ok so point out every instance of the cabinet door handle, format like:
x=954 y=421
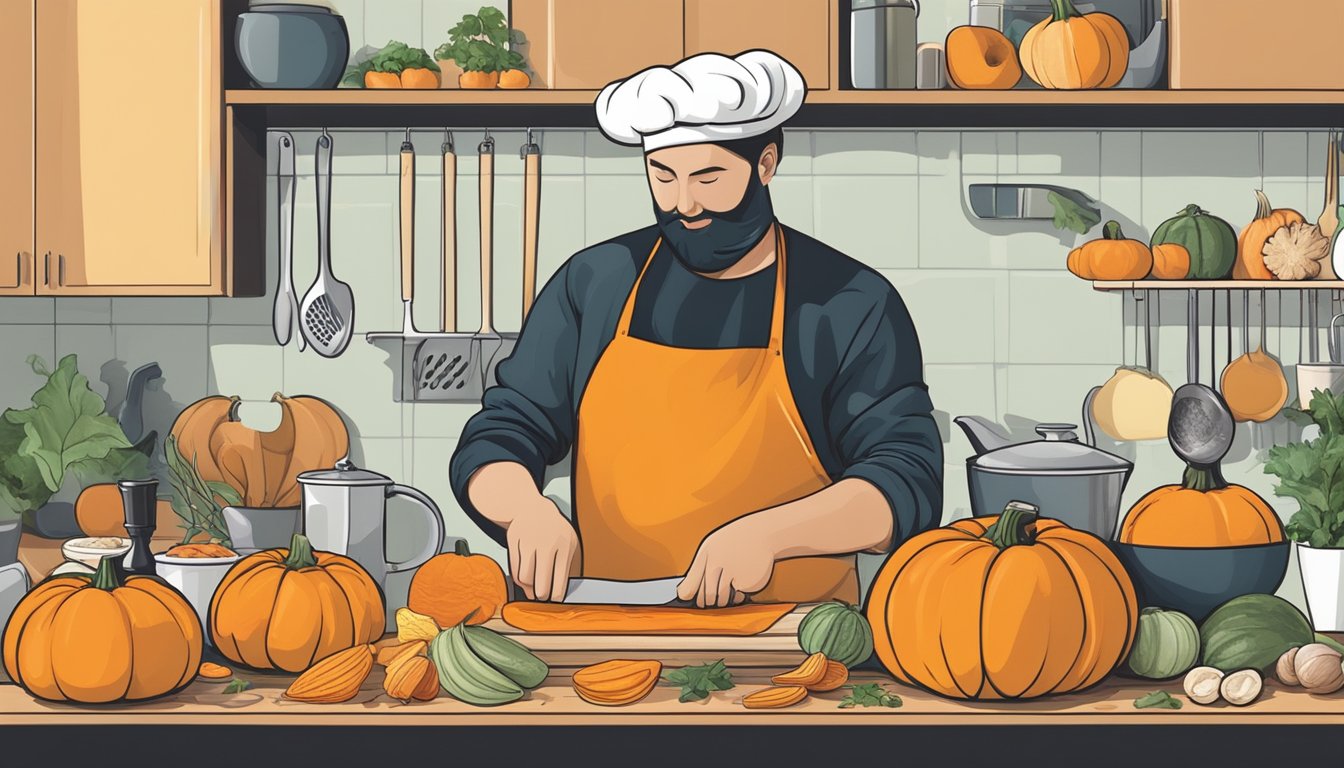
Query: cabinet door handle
x=60 y=270
x=18 y=269
x=46 y=269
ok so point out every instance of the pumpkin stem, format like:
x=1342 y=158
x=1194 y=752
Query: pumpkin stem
x=108 y=576
x=1262 y=207
x=1063 y=9
x=1204 y=478
x=1193 y=210
x=1112 y=231
x=461 y=548
x=1015 y=526
x=300 y=553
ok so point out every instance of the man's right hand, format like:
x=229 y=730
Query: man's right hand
x=542 y=547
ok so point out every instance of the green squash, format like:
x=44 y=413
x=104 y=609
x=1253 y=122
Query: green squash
x=1166 y=645
x=1252 y=631
x=839 y=630
x=1212 y=242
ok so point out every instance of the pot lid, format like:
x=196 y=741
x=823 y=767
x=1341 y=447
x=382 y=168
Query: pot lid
x=1058 y=452
x=345 y=473
x=289 y=8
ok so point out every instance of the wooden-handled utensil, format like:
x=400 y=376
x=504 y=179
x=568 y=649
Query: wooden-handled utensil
x=407 y=204
x=449 y=223
x=1328 y=221
x=531 y=155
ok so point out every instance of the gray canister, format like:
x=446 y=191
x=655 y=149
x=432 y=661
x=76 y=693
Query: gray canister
x=883 y=35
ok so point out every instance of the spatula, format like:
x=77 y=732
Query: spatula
x=328 y=309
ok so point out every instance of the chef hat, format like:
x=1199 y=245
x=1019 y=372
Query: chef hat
x=705 y=98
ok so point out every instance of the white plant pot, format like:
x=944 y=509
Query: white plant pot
x=1323 y=581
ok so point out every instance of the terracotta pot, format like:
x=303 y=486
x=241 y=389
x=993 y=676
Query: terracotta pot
x=480 y=80
x=449 y=72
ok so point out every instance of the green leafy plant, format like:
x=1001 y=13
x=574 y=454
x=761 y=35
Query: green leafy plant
x=870 y=695
x=1311 y=473
x=393 y=57
x=67 y=431
x=1073 y=213
x=199 y=504
x=1157 y=700
x=237 y=685
x=698 y=681
x=480 y=43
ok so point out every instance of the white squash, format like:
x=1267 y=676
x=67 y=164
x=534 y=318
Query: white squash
x=1133 y=404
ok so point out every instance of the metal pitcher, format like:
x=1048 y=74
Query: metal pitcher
x=345 y=511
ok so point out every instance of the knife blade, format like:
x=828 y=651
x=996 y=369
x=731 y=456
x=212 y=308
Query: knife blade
x=608 y=591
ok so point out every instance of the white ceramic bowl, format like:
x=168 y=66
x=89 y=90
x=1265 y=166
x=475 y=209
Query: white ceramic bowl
x=79 y=551
x=196 y=578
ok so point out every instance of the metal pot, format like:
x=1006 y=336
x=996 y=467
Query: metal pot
x=1068 y=480
x=292 y=45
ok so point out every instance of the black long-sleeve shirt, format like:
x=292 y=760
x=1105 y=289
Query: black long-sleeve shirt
x=851 y=356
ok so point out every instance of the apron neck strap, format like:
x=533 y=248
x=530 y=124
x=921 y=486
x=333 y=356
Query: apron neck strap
x=777 y=306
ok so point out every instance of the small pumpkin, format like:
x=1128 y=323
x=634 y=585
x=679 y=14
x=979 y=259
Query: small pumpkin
x=102 y=637
x=1171 y=261
x=1210 y=242
x=1012 y=606
x=1251 y=245
x=1112 y=257
x=981 y=58
x=478 y=80
x=1204 y=511
x=288 y=608
x=374 y=79
x=419 y=77
x=1166 y=645
x=838 y=630
x=455 y=587
x=514 y=78
x=1073 y=50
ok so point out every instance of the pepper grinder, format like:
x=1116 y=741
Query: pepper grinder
x=139 y=501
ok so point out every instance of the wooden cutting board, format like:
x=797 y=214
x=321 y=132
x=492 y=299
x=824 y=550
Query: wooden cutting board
x=777 y=646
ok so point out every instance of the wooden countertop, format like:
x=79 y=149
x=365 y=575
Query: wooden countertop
x=555 y=703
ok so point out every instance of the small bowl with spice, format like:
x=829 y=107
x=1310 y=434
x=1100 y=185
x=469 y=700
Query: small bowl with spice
x=196 y=570
x=90 y=550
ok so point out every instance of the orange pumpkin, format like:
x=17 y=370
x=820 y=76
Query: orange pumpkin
x=262 y=466
x=1204 y=511
x=1112 y=257
x=289 y=608
x=981 y=58
x=99 y=512
x=478 y=80
x=1006 y=607
x=1250 y=263
x=514 y=78
x=1073 y=50
x=459 y=586
x=1171 y=261
x=381 y=80
x=103 y=637
x=419 y=77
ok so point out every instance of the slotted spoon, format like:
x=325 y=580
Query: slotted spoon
x=328 y=309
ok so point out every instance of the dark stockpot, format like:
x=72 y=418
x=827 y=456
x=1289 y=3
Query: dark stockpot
x=292 y=45
x=1195 y=581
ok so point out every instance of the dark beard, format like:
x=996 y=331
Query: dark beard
x=729 y=236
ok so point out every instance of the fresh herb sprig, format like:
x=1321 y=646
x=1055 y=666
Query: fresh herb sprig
x=1157 y=700
x=869 y=695
x=698 y=681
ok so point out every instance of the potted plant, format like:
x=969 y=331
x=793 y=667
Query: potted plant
x=67 y=435
x=1311 y=472
x=395 y=65
x=478 y=45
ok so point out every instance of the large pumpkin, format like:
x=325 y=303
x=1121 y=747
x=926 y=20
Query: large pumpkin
x=1006 y=607
x=981 y=58
x=1210 y=242
x=288 y=608
x=458 y=586
x=1111 y=257
x=1204 y=511
x=1251 y=245
x=103 y=637
x=1075 y=50
x=262 y=466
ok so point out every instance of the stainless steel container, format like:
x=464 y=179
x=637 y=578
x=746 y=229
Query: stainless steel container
x=883 y=35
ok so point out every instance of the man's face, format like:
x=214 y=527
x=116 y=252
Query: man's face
x=694 y=179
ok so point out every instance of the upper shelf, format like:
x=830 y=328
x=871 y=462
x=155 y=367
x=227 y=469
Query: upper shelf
x=1218 y=285
x=354 y=107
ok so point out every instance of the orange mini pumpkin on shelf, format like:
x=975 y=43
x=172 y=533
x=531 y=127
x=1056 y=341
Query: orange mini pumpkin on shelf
x=1112 y=257
x=458 y=586
x=1203 y=511
x=101 y=638
x=1250 y=263
x=981 y=58
x=1006 y=607
x=288 y=608
x=1072 y=50
x=1171 y=261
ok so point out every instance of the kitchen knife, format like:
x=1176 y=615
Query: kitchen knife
x=605 y=591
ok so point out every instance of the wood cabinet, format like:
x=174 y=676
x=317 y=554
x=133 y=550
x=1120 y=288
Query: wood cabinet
x=128 y=148
x=16 y=149
x=803 y=31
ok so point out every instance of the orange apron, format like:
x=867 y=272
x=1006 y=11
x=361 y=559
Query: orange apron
x=674 y=443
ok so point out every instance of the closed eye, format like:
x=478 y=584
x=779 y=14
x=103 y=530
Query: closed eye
x=661 y=180
x=709 y=181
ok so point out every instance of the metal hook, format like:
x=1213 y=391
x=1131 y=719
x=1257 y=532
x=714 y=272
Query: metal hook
x=487 y=144
x=447 y=141
x=325 y=138
x=528 y=148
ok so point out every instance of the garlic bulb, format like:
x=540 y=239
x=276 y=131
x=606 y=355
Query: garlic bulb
x=1201 y=684
x=1284 y=668
x=1318 y=668
x=1242 y=687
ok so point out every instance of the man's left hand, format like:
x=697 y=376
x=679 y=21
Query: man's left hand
x=731 y=563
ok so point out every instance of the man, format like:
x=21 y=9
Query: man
x=745 y=405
